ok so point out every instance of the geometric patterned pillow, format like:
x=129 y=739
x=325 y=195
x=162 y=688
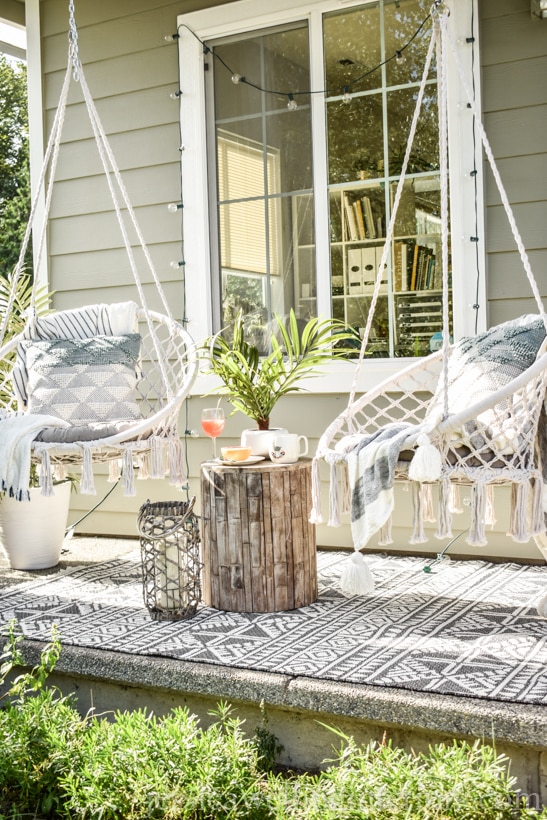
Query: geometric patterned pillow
x=478 y=367
x=83 y=380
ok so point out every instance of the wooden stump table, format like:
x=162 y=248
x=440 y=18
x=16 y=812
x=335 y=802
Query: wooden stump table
x=258 y=545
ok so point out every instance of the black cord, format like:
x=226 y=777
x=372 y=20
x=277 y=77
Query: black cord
x=92 y=510
x=474 y=173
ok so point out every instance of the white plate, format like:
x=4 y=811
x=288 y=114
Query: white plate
x=234 y=463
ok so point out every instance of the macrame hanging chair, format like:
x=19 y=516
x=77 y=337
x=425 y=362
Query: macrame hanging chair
x=102 y=382
x=469 y=414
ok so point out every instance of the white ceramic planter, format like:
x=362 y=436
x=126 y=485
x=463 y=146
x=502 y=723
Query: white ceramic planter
x=32 y=532
x=260 y=441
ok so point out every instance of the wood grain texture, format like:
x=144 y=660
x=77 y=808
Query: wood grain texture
x=258 y=545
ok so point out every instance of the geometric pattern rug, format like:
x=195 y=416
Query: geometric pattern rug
x=467 y=628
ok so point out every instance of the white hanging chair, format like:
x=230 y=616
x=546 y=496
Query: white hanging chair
x=97 y=383
x=468 y=414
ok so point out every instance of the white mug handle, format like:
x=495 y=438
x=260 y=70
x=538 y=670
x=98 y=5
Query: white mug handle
x=303 y=452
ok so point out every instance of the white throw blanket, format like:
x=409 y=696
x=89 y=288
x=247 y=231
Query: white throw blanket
x=371 y=473
x=17 y=432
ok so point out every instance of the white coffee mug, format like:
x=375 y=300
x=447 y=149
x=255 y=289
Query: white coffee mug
x=287 y=448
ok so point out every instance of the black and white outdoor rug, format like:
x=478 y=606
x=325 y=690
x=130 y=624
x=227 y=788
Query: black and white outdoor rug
x=467 y=628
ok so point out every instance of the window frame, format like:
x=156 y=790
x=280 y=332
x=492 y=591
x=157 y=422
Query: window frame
x=467 y=196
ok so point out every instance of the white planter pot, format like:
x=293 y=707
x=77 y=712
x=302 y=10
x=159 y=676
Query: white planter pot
x=32 y=532
x=260 y=440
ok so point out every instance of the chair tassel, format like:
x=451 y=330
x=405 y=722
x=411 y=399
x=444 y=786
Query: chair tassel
x=356 y=578
x=426 y=464
x=59 y=471
x=477 y=534
x=175 y=460
x=418 y=535
x=114 y=470
x=315 y=514
x=518 y=530
x=490 y=510
x=455 y=500
x=345 y=505
x=46 y=474
x=427 y=503
x=157 y=462
x=128 y=473
x=334 y=504
x=143 y=466
x=537 y=524
x=444 y=526
x=384 y=536
x=87 y=481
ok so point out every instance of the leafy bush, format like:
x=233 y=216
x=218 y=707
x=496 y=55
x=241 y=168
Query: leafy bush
x=55 y=764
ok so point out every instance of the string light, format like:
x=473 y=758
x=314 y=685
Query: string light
x=175 y=94
x=292 y=105
x=173 y=207
x=176 y=265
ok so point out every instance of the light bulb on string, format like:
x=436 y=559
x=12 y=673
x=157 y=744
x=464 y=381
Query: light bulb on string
x=292 y=105
x=400 y=57
x=346 y=96
x=237 y=79
x=173 y=207
x=174 y=95
x=176 y=264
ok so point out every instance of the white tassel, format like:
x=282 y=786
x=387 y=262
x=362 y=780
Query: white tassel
x=345 y=504
x=384 y=536
x=444 y=527
x=356 y=578
x=334 y=506
x=477 y=533
x=537 y=524
x=141 y=463
x=87 y=481
x=518 y=530
x=455 y=500
x=315 y=514
x=427 y=503
x=175 y=460
x=46 y=474
x=114 y=470
x=157 y=461
x=128 y=473
x=418 y=535
x=426 y=464
x=490 y=510
x=59 y=471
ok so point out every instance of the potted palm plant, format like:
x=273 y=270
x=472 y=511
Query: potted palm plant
x=253 y=384
x=31 y=532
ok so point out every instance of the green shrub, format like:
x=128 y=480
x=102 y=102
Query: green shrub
x=54 y=764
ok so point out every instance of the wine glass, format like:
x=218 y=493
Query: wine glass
x=212 y=423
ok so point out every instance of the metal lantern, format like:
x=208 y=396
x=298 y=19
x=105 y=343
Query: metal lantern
x=171 y=568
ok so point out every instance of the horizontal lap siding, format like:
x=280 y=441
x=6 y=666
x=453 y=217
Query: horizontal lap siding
x=514 y=95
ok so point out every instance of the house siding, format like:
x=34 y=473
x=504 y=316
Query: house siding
x=131 y=71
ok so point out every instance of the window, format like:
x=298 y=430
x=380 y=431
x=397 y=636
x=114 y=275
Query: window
x=305 y=113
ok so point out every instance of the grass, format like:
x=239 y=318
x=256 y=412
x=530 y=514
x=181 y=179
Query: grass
x=56 y=764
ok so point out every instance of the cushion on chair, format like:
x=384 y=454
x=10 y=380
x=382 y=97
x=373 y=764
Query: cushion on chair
x=478 y=367
x=83 y=380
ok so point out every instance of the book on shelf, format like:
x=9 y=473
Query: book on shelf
x=360 y=222
x=422 y=269
x=400 y=265
x=414 y=268
x=370 y=224
x=351 y=223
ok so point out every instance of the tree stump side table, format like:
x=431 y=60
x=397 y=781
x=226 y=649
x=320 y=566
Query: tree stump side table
x=258 y=545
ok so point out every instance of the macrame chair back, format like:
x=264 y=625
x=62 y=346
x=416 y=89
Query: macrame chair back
x=492 y=441
x=168 y=356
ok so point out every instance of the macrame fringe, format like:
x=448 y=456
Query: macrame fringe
x=175 y=461
x=87 y=481
x=427 y=504
x=537 y=523
x=490 y=510
x=157 y=459
x=444 y=525
x=477 y=533
x=418 y=535
x=114 y=470
x=143 y=465
x=426 y=464
x=456 y=506
x=384 y=536
x=345 y=503
x=128 y=473
x=315 y=514
x=46 y=474
x=518 y=529
x=334 y=504
x=59 y=471
x=356 y=577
